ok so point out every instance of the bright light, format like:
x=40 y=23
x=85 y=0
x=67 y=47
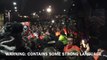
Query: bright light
x=63 y=23
x=73 y=4
x=14 y=3
x=25 y=16
x=15 y=7
x=15 y=10
x=49 y=10
x=34 y=14
x=53 y=21
x=64 y=10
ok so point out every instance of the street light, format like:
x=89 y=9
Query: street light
x=25 y=16
x=73 y=4
x=14 y=3
x=53 y=21
x=15 y=7
x=49 y=10
x=64 y=10
x=34 y=14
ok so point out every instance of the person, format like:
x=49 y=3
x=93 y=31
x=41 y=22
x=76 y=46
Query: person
x=63 y=38
x=47 y=50
x=12 y=42
x=84 y=45
x=70 y=47
x=101 y=54
x=102 y=44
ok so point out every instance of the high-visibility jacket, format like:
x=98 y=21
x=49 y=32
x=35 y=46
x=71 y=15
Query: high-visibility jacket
x=63 y=39
x=71 y=48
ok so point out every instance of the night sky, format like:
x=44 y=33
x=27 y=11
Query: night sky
x=29 y=6
x=38 y=5
x=26 y=7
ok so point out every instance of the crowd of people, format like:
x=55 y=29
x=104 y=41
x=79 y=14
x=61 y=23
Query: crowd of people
x=15 y=37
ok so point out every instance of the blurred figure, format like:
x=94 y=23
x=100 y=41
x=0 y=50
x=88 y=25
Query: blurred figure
x=62 y=41
x=63 y=38
x=13 y=37
x=101 y=54
x=84 y=45
x=70 y=47
x=47 y=50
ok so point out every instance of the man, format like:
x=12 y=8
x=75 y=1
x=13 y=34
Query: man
x=63 y=38
x=70 y=47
